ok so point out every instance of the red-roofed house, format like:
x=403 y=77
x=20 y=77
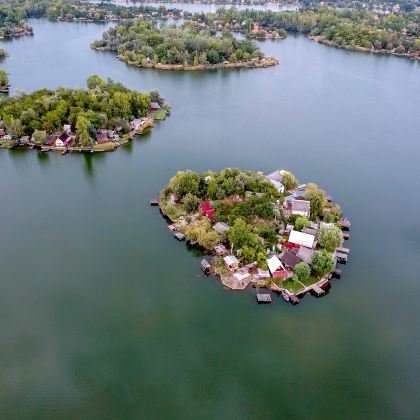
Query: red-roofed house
x=207 y=209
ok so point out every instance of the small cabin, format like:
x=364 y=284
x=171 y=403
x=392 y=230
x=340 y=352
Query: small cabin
x=154 y=106
x=231 y=261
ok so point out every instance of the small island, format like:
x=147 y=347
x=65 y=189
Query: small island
x=265 y=230
x=142 y=43
x=97 y=119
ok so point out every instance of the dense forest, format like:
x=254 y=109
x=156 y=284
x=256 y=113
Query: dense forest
x=397 y=33
x=102 y=105
x=142 y=42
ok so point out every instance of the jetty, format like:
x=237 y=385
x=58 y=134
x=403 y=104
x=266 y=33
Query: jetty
x=154 y=202
x=263 y=298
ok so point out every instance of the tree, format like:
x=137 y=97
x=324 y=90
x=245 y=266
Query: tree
x=82 y=127
x=302 y=271
x=4 y=78
x=289 y=181
x=322 y=262
x=330 y=238
x=317 y=198
x=301 y=222
x=185 y=182
x=241 y=235
x=95 y=81
x=39 y=136
x=190 y=202
x=155 y=97
x=13 y=126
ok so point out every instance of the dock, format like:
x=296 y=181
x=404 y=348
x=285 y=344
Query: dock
x=263 y=298
x=317 y=290
x=337 y=272
x=205 y=266
x=345 y=224
x=346 y=235
x=154 y=202
x=294 y=299
x=180 y=236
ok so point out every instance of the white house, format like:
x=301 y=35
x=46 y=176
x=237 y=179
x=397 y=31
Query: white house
x=278 y=186
x=303 y=239
x=231 y=261
x=274 y=264
x=301 y=207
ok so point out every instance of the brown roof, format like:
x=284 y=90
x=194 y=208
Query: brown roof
x=289 y=259
x=301 y=205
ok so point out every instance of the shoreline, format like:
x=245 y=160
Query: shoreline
x=263 y=63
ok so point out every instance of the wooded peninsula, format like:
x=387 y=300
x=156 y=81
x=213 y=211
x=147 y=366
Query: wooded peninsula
x=96 y=119
x=183 y=47
x=265 y=230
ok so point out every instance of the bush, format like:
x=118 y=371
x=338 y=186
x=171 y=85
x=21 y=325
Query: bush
x=322 y=262
x=330 y=238
x=190 y=202
x=302 y=222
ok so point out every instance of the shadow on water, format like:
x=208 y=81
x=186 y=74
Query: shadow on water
x=43 y=158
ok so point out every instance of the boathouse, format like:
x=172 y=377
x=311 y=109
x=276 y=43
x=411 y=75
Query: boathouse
x=221 y=227
x=231 y=261
x=301 y=207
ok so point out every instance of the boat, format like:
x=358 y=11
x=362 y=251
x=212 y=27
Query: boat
x=285 y=296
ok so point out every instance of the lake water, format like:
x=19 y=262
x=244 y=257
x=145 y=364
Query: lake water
x=105 y=315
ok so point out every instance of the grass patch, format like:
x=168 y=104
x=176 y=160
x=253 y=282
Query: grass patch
x=311 y=280
x=105 y=147
x=292 y=285
x=159 y=115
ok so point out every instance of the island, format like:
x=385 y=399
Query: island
x=356 y=30
x=97 y=119
x=144 y=44
x=265 y=230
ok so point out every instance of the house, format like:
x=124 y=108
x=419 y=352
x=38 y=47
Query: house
x=289 y=259
x=51 y=139
x=24 y=140
x=2 y=133
x=221 y=227
x=263 y=274
x=67 y=128
x=242 y=274
x=275 y=267
x=64 y=140
x=301 y=207
x=207 y=209
x=305 y=254
x=278 y=186
x=136 y=124
x=303 y=239
x=310 y=231
x=275 y=176
x=101 y=138
x=231 y=261
x=154 y=106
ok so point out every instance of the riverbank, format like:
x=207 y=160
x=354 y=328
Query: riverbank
x=321 y=40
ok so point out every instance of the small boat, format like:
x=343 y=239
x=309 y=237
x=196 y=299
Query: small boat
x=285 y=296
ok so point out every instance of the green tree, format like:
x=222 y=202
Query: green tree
x=190 y=202
x=95 y=81
x=82 y=127
x=13 y=126
x=330 y=238
x=302 y=271
x=302 y=222
x=39 y=137
x=289 y=181
x=322 y=262
x=185 y=182
x=317 y=198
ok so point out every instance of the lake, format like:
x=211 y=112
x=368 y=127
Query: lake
x=105 y=315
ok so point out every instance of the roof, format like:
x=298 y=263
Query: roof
x=277 y=185
x=301 y=206
x=154 y=105
x=310 y=231
x=102 y=138
x=1 y=131
x=289 y=259
x=305 y=254
x=275 y=176
x=51 y=139
x=221 y=227
x=64 y=137
x=274 y=264
x=230 y=259
x=301 y=238
x=263 y=273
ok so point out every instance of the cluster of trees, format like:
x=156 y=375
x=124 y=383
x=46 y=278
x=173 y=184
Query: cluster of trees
x=142 y=42
x=396 y=32
x=103 y=105
x=4 y=79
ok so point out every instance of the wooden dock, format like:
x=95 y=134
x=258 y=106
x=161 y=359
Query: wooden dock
x=180 y=236
x=263 y=298
x=154 y=202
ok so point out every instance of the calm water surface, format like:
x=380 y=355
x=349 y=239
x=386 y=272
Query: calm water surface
x=105 y=315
